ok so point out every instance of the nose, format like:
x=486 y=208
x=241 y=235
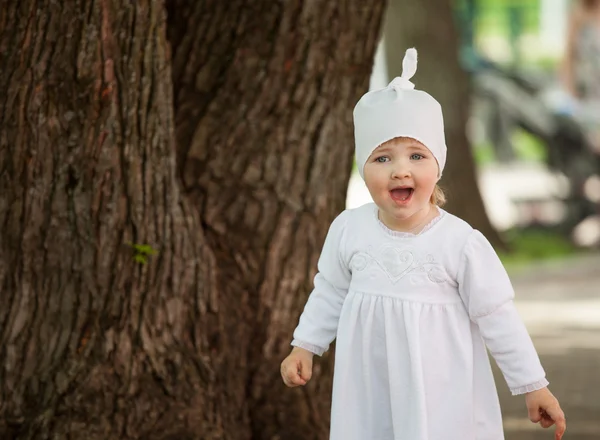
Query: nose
x=401 y=170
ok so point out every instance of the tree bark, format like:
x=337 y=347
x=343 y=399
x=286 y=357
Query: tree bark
x=429 y=26
x=228 y=152
x=263 y=105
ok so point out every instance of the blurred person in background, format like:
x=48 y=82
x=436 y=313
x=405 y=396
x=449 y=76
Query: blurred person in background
x=580 y=73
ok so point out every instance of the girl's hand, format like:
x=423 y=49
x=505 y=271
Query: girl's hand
x=544 y=408
x=296 y=369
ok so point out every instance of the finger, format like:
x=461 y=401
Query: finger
x=546 y=423
x=297 y=381
x=283 y=372
x=561 y=427
x=534 y=414
x=305 y=371
x=290 y=382
x=293 y=376
x=287 y=371
x=558 y=416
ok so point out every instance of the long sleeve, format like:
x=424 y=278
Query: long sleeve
x=488 y=296
x=319 y=320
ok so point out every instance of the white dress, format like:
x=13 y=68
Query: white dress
x=413 y=315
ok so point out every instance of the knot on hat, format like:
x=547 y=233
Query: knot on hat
x=409 y=68
x=400 y=83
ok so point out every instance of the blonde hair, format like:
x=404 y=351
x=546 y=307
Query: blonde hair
x=438 y=197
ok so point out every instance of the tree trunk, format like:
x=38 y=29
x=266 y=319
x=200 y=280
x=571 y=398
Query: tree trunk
x=429 y=26
x=227 y=152
x=263 y=110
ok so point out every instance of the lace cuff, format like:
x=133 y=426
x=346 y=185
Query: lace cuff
x=310 y=347
x=531 y=387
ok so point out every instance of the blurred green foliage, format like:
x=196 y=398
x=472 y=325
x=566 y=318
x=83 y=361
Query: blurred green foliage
x=528 y=246
x=484 y=154
x=493 y=17
x=503 y=31
x=528 y=147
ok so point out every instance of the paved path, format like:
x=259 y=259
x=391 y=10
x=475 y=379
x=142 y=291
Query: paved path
x=560 y=304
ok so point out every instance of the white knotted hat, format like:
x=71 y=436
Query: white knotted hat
x=399 y=111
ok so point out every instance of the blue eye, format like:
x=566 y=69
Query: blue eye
x=416 y=156
x=382 y=159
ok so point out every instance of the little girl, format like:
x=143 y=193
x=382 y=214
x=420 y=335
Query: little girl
x=414 y=296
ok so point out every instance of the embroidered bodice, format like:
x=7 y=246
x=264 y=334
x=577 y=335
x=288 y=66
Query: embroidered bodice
x=447 y=275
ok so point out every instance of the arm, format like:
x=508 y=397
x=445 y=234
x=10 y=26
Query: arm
x=319 y=320
x=488 y=295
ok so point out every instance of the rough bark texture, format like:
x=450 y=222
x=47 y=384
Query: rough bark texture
x=429 y=26
x=90 y=338
x=228 y=152
x=282 y=77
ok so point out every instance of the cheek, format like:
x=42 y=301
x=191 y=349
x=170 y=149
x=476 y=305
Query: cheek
x=428 y=180
x=432 y=180
x=431 y=173
x=375 y=178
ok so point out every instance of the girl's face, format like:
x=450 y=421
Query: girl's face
x=401 y=175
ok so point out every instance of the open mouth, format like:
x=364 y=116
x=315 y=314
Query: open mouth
x=402 y=194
